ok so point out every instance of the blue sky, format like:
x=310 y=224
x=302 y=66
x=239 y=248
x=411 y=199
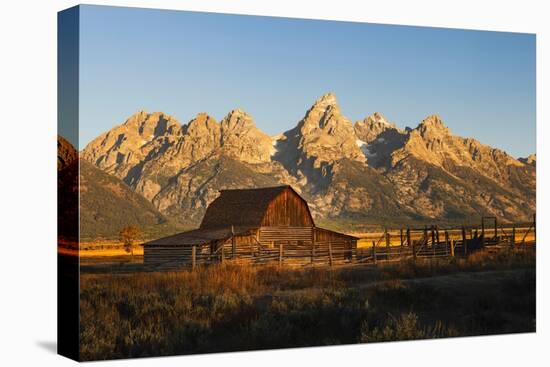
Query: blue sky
x=181 y=63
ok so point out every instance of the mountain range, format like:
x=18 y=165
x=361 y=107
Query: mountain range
x=106 y=203
x=353 y=174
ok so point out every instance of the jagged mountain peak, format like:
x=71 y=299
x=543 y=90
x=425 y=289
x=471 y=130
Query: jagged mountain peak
x=322 y=109
x=203 y=115
x=202 y=118
x=375 y=121
x=372 y=126
x=141 y=117
x=149 y=125
x=238 y=112
x=203 y=122
x=377 y=117
x=531 y=159
x=136 y=117
x=433 y=142
x=126 y=145
x=326 y=100
x=241 y=139
x=325 y=114
x=323 y=136
x=433 y=127
x=236 y=120
x=433 y=121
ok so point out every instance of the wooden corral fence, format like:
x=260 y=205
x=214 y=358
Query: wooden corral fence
x=309 y=247
x=433 y=242
x=288 y=246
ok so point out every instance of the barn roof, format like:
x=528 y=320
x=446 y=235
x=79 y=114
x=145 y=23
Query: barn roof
x=234 y=212
x=319 y=229
x=241 y=207
x=199 y=236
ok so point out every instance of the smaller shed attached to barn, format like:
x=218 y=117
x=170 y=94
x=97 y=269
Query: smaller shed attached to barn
x=263 y=225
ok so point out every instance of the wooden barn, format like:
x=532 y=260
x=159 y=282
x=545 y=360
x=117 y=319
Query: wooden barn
x=265 y=225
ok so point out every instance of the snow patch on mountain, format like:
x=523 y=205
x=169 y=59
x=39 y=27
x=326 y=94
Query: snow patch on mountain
x=365 y=148
x=274 y=142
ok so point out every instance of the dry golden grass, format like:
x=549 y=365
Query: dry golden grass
x=96 y=249
x=99 y=252
x=230 y=307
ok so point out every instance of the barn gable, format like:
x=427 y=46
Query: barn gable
x=271 y=206
x=287 y=209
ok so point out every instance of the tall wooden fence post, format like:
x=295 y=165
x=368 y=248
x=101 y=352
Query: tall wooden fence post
x=255 y=247
x=313 y=239
x=387 y=235
x=433 y=241
x=482 y=233
x=193 y=257
x=427 y=235
x=427 y=239
x=410 y=243
x=401 y=242
x=447 y=243
x=452 y=248
x=280 y=254
x=464 y=240
x=233 y=243
x=535 y=227
x=330 y=253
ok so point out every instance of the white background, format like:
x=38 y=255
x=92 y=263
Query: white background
x=28 y=181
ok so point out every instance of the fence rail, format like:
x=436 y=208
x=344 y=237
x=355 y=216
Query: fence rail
x=321 y=258
x=326 y=254
x=413 y=243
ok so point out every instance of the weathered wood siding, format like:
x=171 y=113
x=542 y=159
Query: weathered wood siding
x=174 y=256
x=244 y=246
x=287 y=209
x=305 y=245
x=327 y=235
x=284 y=234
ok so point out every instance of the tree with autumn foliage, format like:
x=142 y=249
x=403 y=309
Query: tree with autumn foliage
x=130 y=236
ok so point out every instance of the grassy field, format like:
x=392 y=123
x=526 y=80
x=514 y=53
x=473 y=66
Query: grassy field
x=229 y=308
x=99 y=250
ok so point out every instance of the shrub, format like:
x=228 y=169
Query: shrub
x=404 y=327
